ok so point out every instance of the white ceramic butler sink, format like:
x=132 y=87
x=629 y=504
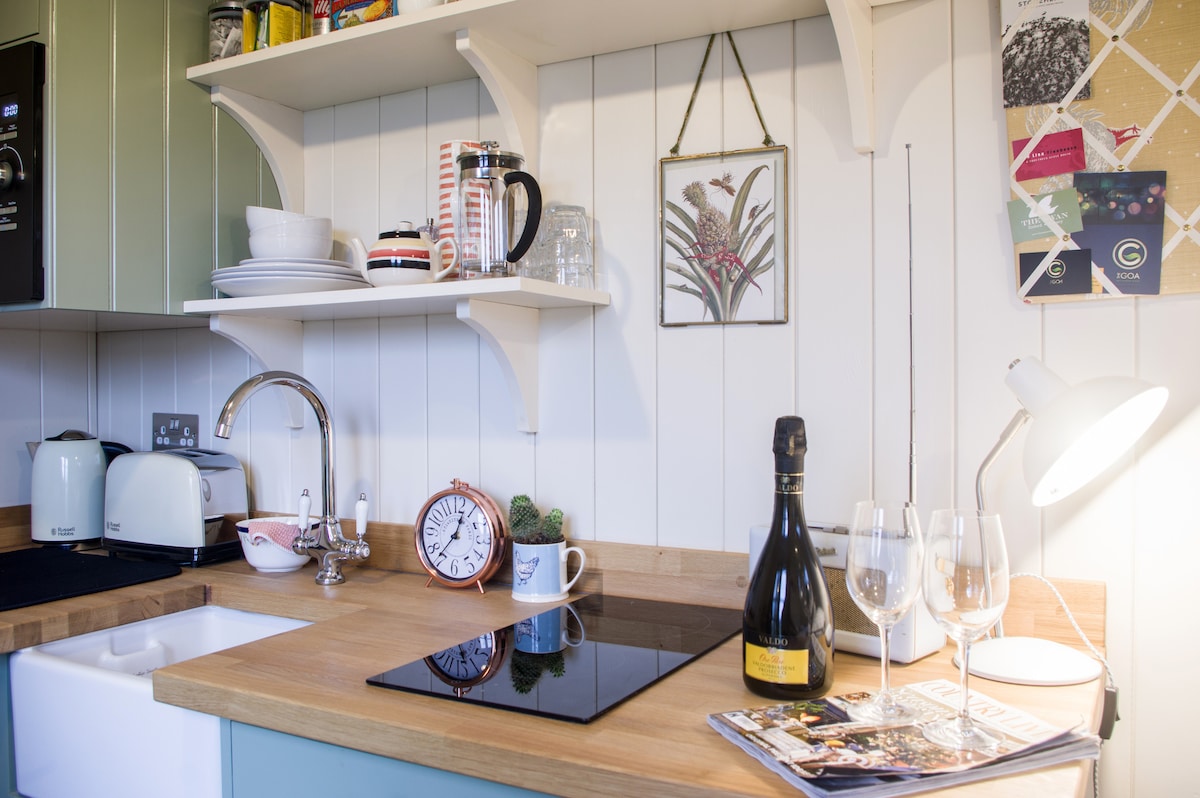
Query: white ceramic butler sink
x=85 y=722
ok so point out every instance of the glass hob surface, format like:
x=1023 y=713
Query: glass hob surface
x=573 y=662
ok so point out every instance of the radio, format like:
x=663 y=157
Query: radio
x=917 y=635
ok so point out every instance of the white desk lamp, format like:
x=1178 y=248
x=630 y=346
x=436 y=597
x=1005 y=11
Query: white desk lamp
x=1077 y=432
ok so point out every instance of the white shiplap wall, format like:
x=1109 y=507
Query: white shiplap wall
x=661 y=436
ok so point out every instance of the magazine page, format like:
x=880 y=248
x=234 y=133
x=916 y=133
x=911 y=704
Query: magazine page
x=815 y=741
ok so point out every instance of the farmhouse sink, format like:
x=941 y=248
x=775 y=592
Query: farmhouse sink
x=85 y=721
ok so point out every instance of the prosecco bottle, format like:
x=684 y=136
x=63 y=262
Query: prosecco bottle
x=787 y=624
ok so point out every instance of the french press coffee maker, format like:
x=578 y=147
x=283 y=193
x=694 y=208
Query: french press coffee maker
x=492 y=210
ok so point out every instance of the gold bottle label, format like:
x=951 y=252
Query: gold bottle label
x=777 y=665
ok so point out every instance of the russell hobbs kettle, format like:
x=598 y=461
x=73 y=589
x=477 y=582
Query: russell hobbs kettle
x=68 y=489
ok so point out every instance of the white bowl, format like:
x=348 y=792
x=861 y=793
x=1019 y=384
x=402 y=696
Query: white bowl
x=258 y=216
x=263 y=544
x=285 y=245
x=312 y=226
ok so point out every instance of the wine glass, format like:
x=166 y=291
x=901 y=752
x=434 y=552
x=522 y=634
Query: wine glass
x=966 y=590
x=883 y=576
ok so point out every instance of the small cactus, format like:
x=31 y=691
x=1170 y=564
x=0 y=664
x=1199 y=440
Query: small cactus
x=527 y=525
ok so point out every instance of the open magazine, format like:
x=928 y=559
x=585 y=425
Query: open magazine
x=816 y=747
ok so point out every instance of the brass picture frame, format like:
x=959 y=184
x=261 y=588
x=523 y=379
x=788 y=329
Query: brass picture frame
x=723 y=238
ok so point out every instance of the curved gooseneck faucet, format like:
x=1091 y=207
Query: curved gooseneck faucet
x=328 y=546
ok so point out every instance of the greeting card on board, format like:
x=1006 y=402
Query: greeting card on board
x=1069 y=272
x=1028 y=222
x=1123 y=226
x=1054 y=154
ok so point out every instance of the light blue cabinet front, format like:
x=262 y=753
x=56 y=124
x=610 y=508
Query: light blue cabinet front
x=259 y=763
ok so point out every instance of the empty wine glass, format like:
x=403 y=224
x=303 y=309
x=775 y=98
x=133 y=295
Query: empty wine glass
x=966 y=590
x=883 y=576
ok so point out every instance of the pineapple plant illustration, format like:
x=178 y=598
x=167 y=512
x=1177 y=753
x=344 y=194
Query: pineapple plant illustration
x=719 y=254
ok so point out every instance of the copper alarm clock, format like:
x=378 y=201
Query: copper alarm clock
x=461 y=536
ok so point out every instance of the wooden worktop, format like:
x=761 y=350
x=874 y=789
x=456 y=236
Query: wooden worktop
x=311 y=682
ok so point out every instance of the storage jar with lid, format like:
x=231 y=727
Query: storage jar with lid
x=224 y=29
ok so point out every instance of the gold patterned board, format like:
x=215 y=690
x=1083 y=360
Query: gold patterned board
x=1141 y=115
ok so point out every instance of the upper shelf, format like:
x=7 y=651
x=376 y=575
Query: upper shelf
x=414 y=50
x=502 y=42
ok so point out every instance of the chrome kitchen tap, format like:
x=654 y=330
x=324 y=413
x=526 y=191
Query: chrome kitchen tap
x=328 y=546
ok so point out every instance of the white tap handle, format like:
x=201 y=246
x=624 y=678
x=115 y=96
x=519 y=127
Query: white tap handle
x=305 y=510
x=360 y=515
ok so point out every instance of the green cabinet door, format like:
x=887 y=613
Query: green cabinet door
x=143 y=169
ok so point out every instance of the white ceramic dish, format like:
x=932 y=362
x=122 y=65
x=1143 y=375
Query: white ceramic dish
x=258 y=285
x=264 y=553
x=259 y=216
x=290 y=245
x=296 y=264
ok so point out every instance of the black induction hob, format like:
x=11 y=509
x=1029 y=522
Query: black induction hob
x=573 y=662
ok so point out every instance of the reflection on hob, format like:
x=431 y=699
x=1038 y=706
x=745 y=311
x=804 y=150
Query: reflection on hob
x=573 y=662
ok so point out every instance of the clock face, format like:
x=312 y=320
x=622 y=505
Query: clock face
x=466 y=662
x=456 y=538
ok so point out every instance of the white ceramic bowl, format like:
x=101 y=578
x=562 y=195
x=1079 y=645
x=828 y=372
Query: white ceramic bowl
x=288 y=245
x=258 y=216
x=263 y=543
x=311 y=226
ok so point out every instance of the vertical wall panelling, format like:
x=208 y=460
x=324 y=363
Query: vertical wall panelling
x=912 y=87
x=403 y=440
x=1159 y=548
x=624 y=236
x=21 y=358
x=355 y=166
x=404 y=168
x=125 y=368
x=190 y=160
x=194 y=381
x=984 y=301
x=138 y=157
x=691 y=360
x=80 y=75
x=566 y=460
x=831 y=244
x=235 y=182
x=760 y=365
x=353 y=395
x=66 y=363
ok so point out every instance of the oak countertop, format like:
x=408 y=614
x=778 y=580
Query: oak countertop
x=311 y=682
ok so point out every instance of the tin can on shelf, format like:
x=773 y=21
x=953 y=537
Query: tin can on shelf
x=321 y=16
x=225 y=29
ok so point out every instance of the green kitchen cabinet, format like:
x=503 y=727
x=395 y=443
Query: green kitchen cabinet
x=260 y=762
x=146 y=183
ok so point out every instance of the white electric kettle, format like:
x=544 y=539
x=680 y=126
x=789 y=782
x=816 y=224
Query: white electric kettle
x=68 y=489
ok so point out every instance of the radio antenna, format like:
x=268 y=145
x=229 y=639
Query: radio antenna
x=912 y=366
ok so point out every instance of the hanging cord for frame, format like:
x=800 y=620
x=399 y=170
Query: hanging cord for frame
x=767 y=140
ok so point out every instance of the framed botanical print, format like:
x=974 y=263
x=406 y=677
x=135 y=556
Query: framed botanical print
x=723 y=238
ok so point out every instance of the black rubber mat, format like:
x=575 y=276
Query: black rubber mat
x=37 y=575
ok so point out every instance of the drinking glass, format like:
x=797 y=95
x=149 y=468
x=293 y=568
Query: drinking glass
x=966 y=590
x=883 y=576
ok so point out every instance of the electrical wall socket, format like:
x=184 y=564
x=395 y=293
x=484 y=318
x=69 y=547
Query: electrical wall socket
x=174 y=430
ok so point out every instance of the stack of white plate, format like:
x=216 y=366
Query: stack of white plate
x=267 y=276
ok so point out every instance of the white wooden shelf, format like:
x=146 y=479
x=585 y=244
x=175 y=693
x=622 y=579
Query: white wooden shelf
x=502 y=42
x=506 y=312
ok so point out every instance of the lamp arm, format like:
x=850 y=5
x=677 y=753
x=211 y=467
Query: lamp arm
x=1006 y=437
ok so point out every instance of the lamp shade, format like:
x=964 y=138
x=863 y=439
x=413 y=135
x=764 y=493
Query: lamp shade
x=1078 y=431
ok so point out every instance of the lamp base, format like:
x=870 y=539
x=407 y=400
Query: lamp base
x=1031 y=660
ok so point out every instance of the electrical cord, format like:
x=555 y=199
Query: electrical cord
x=1109 y=717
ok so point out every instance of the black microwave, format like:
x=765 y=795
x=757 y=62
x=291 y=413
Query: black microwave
x=22 y=79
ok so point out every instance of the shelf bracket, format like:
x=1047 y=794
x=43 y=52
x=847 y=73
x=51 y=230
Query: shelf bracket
x=273 y=344
x=853 y=25
x=512 y=333
x=513 y=83
x=279 y=133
